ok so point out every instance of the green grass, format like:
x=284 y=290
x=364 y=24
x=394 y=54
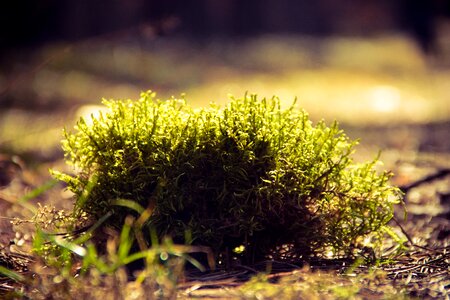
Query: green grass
x=161 y=188
x=251 y=175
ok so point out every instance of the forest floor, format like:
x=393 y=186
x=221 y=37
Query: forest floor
x=381 y=90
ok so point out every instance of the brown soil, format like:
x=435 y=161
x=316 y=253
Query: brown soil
x=414 y=138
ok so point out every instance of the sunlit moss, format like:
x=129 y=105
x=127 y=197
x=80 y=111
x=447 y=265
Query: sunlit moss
x=249 y=174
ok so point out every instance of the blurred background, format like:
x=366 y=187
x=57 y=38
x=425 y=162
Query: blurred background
x=379 y=67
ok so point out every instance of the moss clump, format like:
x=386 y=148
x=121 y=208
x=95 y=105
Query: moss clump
x=250 y=174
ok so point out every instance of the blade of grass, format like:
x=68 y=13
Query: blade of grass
x=11 y=274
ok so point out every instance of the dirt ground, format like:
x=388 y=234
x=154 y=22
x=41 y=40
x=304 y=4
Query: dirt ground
x=399 y=105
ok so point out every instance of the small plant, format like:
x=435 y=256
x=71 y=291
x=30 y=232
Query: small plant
x=74 y=266
x=249 y=176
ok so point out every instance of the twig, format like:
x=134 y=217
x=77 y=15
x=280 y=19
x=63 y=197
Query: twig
x=410 y=240
x=439 y=174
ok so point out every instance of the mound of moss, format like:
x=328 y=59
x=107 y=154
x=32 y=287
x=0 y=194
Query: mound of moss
x=249 y=175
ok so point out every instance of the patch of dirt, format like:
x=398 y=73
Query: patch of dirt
x=411 y=129
x=422 y=271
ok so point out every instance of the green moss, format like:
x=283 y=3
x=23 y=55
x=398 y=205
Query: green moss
x=250 y=173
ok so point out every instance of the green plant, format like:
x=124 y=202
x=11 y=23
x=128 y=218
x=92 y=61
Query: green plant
x=76 y=266
x=251 y=176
